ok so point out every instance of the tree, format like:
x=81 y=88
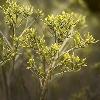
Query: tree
x=45 y=59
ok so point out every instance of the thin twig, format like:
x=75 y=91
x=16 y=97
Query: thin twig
x=6 y=40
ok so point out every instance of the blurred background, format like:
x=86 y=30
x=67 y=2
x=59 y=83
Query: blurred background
x=83 y=85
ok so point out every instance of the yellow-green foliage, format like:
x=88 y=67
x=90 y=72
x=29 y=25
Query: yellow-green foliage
x=45 y=61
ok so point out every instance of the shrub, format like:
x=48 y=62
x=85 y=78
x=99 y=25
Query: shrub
x=44 y=59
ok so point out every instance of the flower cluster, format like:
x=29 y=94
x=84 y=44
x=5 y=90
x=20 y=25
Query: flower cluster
x=67 y=63
x=83 y=41
x=63 y=23
x=15 y=13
